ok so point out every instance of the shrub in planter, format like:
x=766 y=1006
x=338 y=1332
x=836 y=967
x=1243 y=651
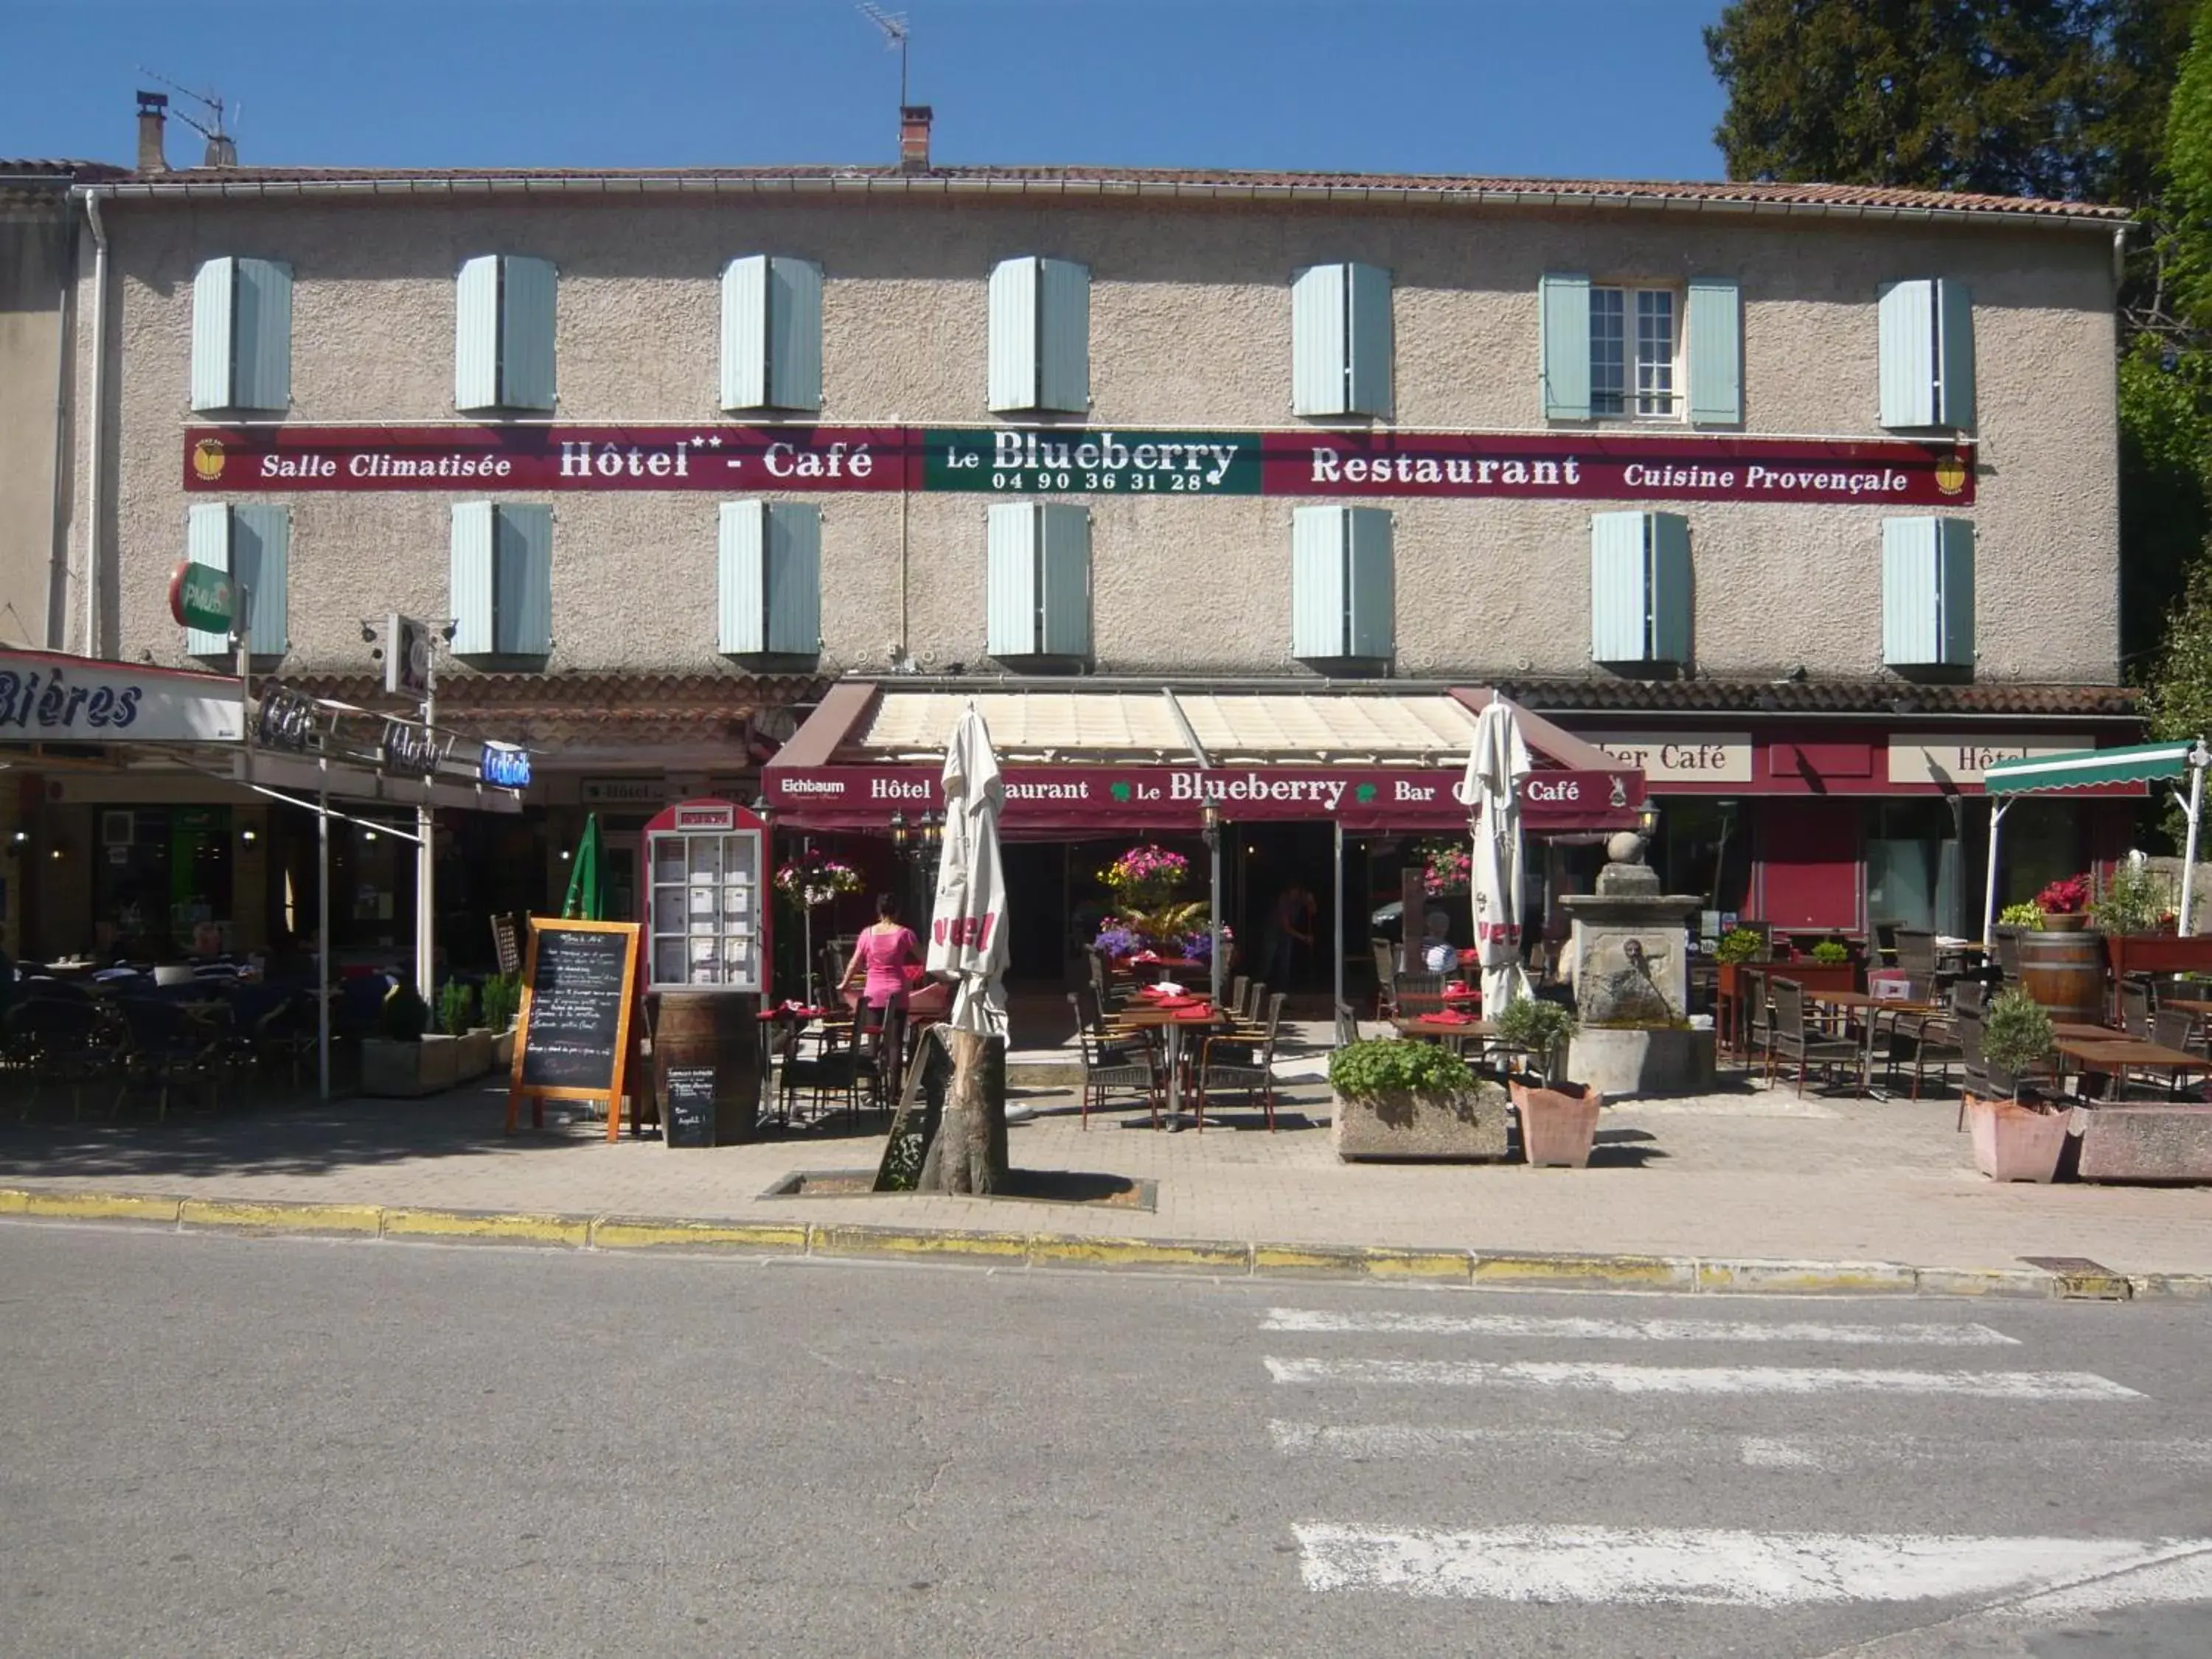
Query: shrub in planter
x=402 y=1060
x=1558 y=1119
x=2134 y=901
x=503 y=1001
x=1540 y=1028
x=2027 y=915
x=456 y=1019
x=1831 y=953
x=1397 y=1098
x=2015 y=1139
x=1739 y=944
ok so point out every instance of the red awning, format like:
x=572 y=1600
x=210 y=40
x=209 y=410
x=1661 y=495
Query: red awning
x=1098 y=762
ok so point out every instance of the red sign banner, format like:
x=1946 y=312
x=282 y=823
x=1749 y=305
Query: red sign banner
x=1109 y=799
x=1590 y=466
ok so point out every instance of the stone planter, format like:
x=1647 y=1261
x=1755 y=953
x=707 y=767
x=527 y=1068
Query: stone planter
x=1433 y=1127
x=2013 y=1142
x=502 y=1050
x=406 y=1071
x=1558 y=1125
x=472 y=1054
x=2151 y=1141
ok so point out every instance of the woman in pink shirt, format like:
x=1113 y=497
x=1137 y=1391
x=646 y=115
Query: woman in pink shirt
x=882 y=953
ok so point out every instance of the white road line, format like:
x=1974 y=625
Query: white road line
x=1829 y=1453
x=1700 y=1380
x=1635 y=1330
x=1616 y=1565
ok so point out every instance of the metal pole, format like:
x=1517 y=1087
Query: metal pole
x=323 y=939
x=426 y=860
x=2198 y=758
x=1214 y=910
x=1990 y=884
x=1336 y=928
x=806 y=914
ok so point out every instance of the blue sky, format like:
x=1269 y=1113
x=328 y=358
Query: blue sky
x=1603 y=87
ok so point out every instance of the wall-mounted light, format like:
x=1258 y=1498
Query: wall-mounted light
x=932 y=828
x=564 y=855
x=249 y=835
x=1209 y=822
x=899 y=834
x=1647 y=820
x=56 y=854
x=19 y=837
x=370 y=835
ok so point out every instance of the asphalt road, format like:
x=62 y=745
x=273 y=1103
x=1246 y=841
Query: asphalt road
x=216 y=1445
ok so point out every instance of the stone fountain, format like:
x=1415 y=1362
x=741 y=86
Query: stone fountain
x=1633 y=981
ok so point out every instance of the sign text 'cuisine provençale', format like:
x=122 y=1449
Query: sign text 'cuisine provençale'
x=1598 y=466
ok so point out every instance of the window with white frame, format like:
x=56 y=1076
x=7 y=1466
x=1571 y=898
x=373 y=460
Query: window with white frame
x=1634 y=339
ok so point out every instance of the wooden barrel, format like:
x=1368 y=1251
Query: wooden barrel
x=707 y=1066
x=2065 y=972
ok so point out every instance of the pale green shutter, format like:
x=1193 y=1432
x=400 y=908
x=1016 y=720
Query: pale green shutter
x=1564 y=325
x=214 y=319
x=1318 y=599
x=476 y=336
x=526 y=332
x=1010 y=603
x=470 y=579
x=522 y=581
x=741 y=579
x=1368 y=332
x=1714 y=343
x=1905 y=323
x=1014 y=334
x=1912 y=599
x=261 y=559
x=794 y=579
x=1954 y=353
x=1064 y=571
x=1370 y=584
x=1671 y=587
x=207 y=541
x=1318 y=346
x=1620 y=585
x=1063 y=336
x=745 y=333
x=262 y=341
x=794 y=333
x=1955 y=579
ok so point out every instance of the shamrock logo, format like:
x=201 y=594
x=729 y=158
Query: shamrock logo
x=1364 y=794
x=1119 y=791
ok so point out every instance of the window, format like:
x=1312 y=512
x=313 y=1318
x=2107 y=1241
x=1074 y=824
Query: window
x=1341 y=341
x=242 y=335
x=503 y=334
x=770 y=585
x=1038 y=602
x=1039 y=336
x=1343 y=590
x=772 y=333
x=1926 y=331
x=1928 y=593
x=502 y=579
x=1640 y=587
x=254 y=545
x=1615 y=351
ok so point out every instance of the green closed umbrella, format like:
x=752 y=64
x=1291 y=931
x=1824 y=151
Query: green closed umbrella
x=587 y=900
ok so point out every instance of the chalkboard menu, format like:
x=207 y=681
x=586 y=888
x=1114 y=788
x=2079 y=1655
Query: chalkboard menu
x=573 y=1041
x=687 y=1105
x=507 y=944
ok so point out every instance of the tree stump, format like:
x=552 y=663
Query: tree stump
x=968 y=1154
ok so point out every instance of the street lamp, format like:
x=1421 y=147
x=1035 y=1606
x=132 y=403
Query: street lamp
x=899 y=834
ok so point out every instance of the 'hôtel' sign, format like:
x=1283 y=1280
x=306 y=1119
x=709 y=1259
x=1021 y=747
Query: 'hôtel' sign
x=1606 y=466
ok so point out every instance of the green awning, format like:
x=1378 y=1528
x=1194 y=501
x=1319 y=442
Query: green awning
x=2084 y=768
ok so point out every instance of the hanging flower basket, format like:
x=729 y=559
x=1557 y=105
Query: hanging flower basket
x=1447 y=868
x=810 y=886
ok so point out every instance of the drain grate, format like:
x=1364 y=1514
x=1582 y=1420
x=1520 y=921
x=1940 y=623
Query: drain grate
x=2080 y=1279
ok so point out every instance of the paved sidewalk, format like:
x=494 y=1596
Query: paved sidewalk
x=1755 y=1173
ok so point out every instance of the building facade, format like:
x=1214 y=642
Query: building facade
x=1804 y=498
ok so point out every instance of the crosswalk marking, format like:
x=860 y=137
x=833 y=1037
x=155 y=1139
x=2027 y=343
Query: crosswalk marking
x=1699 y=1380
x=1830 y=1453
x=1634 y=1330
x=1614 y=1565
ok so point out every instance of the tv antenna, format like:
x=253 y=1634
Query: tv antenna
x=894 y=26
x=212 y=129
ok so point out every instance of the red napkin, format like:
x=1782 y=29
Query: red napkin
x=1461 y=994
x=1189 y=1010
x=1152 y=993
x=1470 y=959
x=1451 y=1017
x=1145 y=955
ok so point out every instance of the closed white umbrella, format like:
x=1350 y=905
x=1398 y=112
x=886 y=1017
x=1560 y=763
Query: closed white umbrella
x=1495 y=767
x=968 y=942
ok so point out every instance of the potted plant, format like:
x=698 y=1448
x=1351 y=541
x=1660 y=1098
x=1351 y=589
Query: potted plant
x=1558 y=1119
x=502 y=1001
x=1831 y=953
x=2015 y=1139
x=2024 y=917
x=404 y=1061
x=1143 y=882
x=2064 y=905
x=2134 y=913
x=471 y=1043
x=1400 y=1098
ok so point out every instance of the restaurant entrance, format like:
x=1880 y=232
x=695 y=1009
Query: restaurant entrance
x=1280 y=884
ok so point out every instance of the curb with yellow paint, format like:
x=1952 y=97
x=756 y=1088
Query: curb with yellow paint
x=1523 y=1270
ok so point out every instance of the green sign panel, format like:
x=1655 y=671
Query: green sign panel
x=1075 y=460
x=202 y=597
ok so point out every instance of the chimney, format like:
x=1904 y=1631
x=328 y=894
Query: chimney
x=152 y=116
x=914 y=138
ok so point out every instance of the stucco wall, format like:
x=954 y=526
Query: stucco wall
x=1190 y=327
x=34 y=283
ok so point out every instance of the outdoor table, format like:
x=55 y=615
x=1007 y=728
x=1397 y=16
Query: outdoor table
x=1141 y=1015
x=2119 y=1053
x=2081 y=1032
x=1870 y=1009
x=2197 y=1006
x=1168 y=967
x=1451 y=1031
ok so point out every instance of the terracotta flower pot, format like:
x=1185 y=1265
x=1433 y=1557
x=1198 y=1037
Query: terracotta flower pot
x=2065 y=922
x=2013 y=1142
x=1558 y=1125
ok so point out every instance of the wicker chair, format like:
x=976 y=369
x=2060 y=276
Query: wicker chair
x=1419 y=993
x=1795 y=1038
x=1238 y=1065
x=1109 y=1067
x=1386 y=978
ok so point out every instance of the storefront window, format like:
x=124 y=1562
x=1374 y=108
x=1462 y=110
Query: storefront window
x=1913 y=865
x=161 y=881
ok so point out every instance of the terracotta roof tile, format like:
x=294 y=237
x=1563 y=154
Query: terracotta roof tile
x=595 y=706
x=1871 y=697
